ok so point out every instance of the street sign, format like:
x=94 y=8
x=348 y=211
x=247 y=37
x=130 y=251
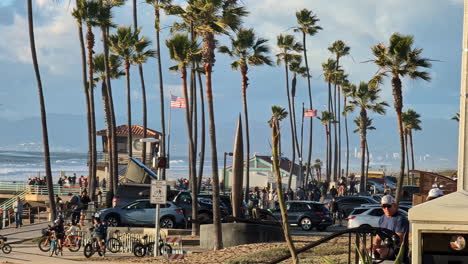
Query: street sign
x=158 y=192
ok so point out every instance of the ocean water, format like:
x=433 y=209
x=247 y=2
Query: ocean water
x=19 y=165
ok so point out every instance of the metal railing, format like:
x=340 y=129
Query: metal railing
x=362 y=235
x=10 y=187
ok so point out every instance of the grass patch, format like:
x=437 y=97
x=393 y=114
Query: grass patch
x=258 y=257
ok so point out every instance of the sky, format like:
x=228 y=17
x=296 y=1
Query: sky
x=436 y=27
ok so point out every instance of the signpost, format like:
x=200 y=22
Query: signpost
x=158 y=196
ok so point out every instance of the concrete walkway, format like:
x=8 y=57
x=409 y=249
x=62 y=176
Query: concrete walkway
x=23 y=234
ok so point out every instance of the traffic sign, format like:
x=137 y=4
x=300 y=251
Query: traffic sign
x=158 y=192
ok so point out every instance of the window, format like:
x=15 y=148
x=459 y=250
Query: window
x=376 y=212
x=139 y=205
x=358 y=211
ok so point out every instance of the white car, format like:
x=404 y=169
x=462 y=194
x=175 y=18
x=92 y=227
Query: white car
x=367 y=216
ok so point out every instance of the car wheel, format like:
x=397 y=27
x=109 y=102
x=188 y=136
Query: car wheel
x=166 y=222
x=113 y=220
x=306 y=224
x=204 y=218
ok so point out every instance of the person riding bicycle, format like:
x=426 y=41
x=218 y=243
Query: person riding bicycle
x=59 y=230
x=394 y=221
x=100 y=231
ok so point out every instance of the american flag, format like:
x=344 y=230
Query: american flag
x=310 y=113
x=177 y=102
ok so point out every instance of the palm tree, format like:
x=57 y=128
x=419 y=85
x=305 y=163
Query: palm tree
x=456 y=117
x=158 y=5
x=142 y=54
x=326 y=119
x=105 y=24
x=368 y=125
x=297 y=69
x=365 y=98
x=79 y=13
x=45 y=135
x=182 y=50
x=411 y=122
x=346 y=89
x=399 y=59
x=306 y=24
x=329 y=72
x=247 y=49
x=340 y=49
x=123 y=44
x=289 y=48
x=212 y=17
x=279 y=114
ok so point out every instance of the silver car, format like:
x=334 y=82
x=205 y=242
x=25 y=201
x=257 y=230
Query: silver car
x=143 y=213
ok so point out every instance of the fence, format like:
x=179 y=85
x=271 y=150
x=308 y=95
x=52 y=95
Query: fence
x=33 y=215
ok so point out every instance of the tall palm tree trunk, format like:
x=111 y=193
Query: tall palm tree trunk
x=327 y=169
x=192 y=173
x=330 y=109
x=209 y=58
x=347 y=140
x=276 y=136
x=85 y=87
x=293 y=115
x=398 y=102
x=143 y=89
x=45 y=135
x=202 y=134
x=309 y=154
x=368 y=162
x=245 y=83
x=339 y=133
x=162 y=142
x=363 y=182
x=407 y=158
x=113 y=157
x=291 y=168
x=92 y=175
x=129 y=109
x=413 y=182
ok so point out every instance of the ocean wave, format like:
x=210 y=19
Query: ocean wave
x=176 y=161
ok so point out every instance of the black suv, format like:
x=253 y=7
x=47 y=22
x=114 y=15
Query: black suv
x=346 y=204
x=307 y=215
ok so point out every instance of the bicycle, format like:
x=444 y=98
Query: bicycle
x=114 y=244
x=72 y=242
x=6 y=248
x=93 y=247
x=143 y=248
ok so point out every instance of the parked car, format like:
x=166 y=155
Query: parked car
x=143 y=213
x=367 y=216
x=205 y=207
x=307 y=215
x=404 y=207
x=346 y=204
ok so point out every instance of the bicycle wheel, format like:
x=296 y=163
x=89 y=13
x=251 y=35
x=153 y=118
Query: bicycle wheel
x=165 y=249
x=139 y=250
x=6 y=249
x=74 y=243
x=44 y=244
x=113 y=245
x=88 y=250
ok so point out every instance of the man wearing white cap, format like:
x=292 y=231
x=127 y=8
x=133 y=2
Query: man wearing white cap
x=392 y=220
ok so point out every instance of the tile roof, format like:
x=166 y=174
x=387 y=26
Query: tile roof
x=136 y=130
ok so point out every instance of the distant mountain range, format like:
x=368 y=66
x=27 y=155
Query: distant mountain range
x=435 y=145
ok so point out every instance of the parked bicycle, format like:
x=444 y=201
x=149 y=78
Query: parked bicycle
x=6 y=248
x=146 y=248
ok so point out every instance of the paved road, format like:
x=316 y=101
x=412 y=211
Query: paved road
x=27 y=232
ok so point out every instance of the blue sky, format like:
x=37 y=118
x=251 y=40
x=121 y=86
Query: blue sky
x=436 y=25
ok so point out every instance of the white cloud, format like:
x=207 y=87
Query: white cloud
x=56 y=42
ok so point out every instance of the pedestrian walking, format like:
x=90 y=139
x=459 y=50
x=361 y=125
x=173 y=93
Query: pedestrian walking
x=18 y=210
